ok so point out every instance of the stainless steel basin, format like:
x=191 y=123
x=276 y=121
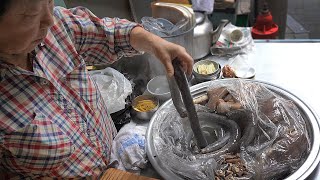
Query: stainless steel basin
x=308 y=114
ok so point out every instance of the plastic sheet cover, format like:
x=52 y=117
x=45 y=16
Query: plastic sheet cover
x=276 y=144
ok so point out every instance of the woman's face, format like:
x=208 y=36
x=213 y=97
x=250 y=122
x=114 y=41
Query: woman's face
x=24 y=25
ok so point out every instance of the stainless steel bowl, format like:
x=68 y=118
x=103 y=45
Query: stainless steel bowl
x=206 y=77
x=159 y=87
x=312 y=124
x=144 y=115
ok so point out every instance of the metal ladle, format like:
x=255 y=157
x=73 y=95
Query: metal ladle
x=179 y=89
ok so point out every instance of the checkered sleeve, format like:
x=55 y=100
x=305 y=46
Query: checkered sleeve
x=97 y=40
x=1 y=154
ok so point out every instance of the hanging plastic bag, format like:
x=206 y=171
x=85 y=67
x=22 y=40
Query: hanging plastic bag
x=114 y=88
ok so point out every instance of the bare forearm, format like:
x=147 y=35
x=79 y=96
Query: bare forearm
x=165 y=51
x=142 y=40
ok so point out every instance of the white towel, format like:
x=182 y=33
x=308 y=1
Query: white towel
x=203 y=5
x=128 y=149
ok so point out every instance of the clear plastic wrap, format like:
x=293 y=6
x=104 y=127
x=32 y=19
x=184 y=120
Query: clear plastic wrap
x=281 y=142
x=163 y=27
x=273 y=141
x=173 y=149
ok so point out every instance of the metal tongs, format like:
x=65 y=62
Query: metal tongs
x=183 y=102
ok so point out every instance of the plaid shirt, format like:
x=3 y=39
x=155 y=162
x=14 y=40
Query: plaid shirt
x=53 y=120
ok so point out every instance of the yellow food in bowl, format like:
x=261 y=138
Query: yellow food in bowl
x=206 y=69
x=145 y=105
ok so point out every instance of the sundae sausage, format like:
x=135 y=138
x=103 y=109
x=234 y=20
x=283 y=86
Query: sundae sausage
x=176 y=97
x=247 y=123
x=182 y=83
x=228 y=143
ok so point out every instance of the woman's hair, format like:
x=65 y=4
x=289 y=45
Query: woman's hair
x=3 y=6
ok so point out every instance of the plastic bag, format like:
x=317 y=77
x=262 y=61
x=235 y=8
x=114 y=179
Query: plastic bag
x=232 y=41
x=113 y=86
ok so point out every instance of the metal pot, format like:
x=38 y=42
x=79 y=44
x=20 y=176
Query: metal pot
x=173 y=13
x=204 y=36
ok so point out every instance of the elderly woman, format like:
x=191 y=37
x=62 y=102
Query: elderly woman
x=54 y=122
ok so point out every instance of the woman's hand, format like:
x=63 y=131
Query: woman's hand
x=165 y=51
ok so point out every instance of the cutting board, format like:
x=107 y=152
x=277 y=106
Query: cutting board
x=116 y=174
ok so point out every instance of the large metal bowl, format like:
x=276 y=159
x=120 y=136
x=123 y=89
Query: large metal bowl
x=308 y=114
